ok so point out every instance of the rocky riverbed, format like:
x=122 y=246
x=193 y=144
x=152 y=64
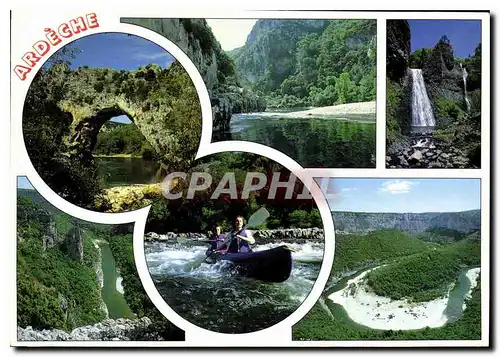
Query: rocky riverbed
x=421 y=150
x=107 y=330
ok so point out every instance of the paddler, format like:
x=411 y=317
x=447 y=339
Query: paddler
x=217 y=238
x=239 y=238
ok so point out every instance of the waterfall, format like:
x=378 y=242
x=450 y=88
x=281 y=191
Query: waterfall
x=464 y=78
x=421 y=109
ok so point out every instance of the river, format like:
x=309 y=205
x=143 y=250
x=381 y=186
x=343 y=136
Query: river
x=111 y=292
x=123 y=171
x=368 y=310
x=209 y=296
x=333 y=142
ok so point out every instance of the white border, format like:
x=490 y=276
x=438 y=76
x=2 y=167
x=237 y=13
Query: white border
x=26 y=35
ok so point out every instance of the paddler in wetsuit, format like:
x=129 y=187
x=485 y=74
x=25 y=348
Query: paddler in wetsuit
x=240 y=239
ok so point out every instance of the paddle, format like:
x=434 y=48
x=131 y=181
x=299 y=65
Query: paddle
x=255 y=220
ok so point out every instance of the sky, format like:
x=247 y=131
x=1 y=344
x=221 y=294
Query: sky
x=23 y=182
x=128 y=52
x=231 y=33
x=464 y=35
x=403 y=195
x=391 y=195
x=118 y=51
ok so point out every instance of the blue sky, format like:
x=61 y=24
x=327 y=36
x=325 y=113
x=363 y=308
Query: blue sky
x=464 y=35
x=403 y=195
x=118 y=51
x=23 y=182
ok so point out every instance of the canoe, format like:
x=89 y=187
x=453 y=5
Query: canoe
x=272 y=265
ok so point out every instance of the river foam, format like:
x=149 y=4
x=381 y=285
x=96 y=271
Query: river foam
x=381 y=313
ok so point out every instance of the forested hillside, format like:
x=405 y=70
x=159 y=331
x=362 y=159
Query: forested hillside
x=410 y=268
x=310 y=62
x=61 y=277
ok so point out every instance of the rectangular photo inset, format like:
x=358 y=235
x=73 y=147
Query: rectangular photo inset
x=407 y=262
x=433 y=94
x=77 y=281
x=305 y=87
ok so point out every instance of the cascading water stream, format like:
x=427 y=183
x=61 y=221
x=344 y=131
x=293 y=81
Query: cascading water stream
x=421 y=109
x=464 y=77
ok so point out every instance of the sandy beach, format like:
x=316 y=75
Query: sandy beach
x=363 y=108
x=119 y=286
x=377 y=312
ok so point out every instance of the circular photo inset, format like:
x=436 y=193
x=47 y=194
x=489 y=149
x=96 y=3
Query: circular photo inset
x=106 y=117
x=236 y=243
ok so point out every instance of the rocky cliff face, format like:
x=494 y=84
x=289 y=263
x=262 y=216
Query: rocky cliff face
x=74 y=243
x=269 y=51
x=195 y=38
x=412 y=223
x=398 y=49
x=443 y=77
x=107 y=330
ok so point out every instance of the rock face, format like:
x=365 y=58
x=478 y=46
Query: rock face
x=292 y=234
x=108 y=330
x=50 y=237
x=74 y=243
x=261 y=236
x=195 y=38
x=412 y=223
x=398 y=49
x=268 y=51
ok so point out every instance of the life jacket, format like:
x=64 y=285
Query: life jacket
x=217 y=241
x=238 y=244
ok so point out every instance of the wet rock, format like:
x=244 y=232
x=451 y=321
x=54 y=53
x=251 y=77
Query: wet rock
x=433 y=165
x=402 y=161
x=415 y=157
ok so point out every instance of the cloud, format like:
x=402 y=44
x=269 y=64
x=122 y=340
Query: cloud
x=396 y=187
x=153 y=55
x=348 y=189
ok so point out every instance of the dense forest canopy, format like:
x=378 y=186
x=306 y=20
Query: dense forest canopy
x=310 y=62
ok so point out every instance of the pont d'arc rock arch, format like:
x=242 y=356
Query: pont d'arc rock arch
x=162 y=103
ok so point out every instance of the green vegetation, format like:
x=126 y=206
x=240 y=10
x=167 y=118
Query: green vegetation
x=137 y=299
x=297 y=63
x=127 y=139
x=54 y=290
x=201 y=212
x=65 y=109
x=457 y=125
x=397 y=113
x=419 y=57
x=424 y=276
x=355 y=251
x=411 y=265
x=318 y=325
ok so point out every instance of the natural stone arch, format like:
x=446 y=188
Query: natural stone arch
x=162 y=103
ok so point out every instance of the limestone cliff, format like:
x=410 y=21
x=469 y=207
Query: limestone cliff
x=195 y=38
x=412 y=223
